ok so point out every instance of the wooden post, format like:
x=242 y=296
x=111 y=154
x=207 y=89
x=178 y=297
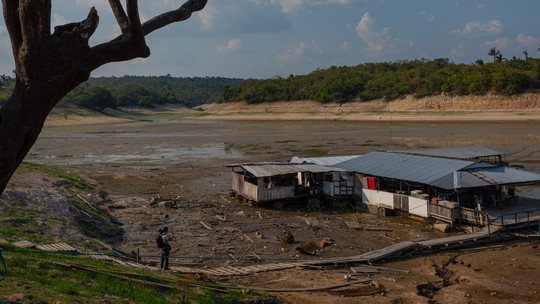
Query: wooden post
x=138 y=255
x=489 y=228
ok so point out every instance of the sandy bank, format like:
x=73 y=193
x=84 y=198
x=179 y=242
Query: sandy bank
x=437 y=108
x=469 y=108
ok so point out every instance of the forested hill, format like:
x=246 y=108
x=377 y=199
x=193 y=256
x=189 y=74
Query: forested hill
x=149 y=90
x=364 y=82
x=393 y=80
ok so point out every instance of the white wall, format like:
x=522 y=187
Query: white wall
x=378 y=198
x=384 y=199
x=418 y=206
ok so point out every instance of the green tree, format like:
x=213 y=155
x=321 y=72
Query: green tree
x=96 y=98
x=494 y=53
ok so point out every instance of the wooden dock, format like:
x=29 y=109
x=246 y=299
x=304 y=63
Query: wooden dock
x=402 y=249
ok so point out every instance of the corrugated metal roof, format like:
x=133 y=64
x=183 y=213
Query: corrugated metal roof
x=323 y=161
x=465 y=152
x=508 y=175
x=264 y=170
x=438 y=172
x=483 y=177
x=415 y=168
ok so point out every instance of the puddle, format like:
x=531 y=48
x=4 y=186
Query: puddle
x=148 y=154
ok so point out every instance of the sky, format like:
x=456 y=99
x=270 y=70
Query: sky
x=271 y=38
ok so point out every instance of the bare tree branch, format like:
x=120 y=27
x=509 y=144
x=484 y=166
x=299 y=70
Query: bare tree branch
x=120 y=15
x=13 y=25
x=125 y=48
x=79 y=30
x=35 y=26
x=35 y=20
x=135 y=22
x=182 y=13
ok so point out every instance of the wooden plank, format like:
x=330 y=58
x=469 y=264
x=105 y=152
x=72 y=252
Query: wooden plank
x=24 y=244
x=238 y=270
x=205 y=225
x=377 y=228
x=364 y=269
x=393 y=249
x=58 y=247
x=353 y=225
x=453 y=239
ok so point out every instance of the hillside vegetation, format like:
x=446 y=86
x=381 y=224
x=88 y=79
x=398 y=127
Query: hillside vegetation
x=395 y=80
x=365 y=82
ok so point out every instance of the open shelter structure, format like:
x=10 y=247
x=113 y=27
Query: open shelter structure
x=448 y=184
x=453 y=184
x=278 y=183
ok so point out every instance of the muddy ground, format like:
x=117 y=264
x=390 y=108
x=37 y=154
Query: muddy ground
x=183 y=162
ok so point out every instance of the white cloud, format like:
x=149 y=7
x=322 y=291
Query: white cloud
x=208 y=16
x=231 y=46
x=500 y=42
x=58 y=20
x=428 y=17
x=345 y=46
x=114 y=31
x=288 y=6
x=292 y=6
x=292 y=55
x=298 y=53
x=378 y=41
x=476 y=28
x=456 y=52
x=4 y=39
x=525 y=40
x=96 y=3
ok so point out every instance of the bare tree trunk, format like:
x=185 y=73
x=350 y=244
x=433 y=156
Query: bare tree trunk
x=48 y=66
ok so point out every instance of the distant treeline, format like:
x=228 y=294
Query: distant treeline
x=392 y=80
x=364 y=82
x=147 y=91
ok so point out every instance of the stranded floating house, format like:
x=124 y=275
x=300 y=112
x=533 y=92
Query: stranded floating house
x=277 y=184
x=448 y=184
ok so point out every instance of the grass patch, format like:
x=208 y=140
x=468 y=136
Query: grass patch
x=74 y=179
x=95 y=223
x=54 y=278
x=252 y=149
x=18 y=222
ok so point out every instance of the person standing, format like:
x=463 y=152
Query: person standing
x=163 y=243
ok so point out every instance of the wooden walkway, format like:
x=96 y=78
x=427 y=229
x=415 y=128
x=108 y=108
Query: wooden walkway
x=401 y=249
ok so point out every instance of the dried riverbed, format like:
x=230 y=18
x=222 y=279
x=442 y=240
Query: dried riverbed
x=184 y=161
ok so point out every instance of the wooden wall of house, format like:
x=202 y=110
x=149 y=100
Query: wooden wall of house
x=276 y=193
x=258 y=192
x=359 y=181
x=240 y=186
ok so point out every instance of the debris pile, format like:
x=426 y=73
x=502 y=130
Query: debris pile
x=315 y=246
x=285 y=237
